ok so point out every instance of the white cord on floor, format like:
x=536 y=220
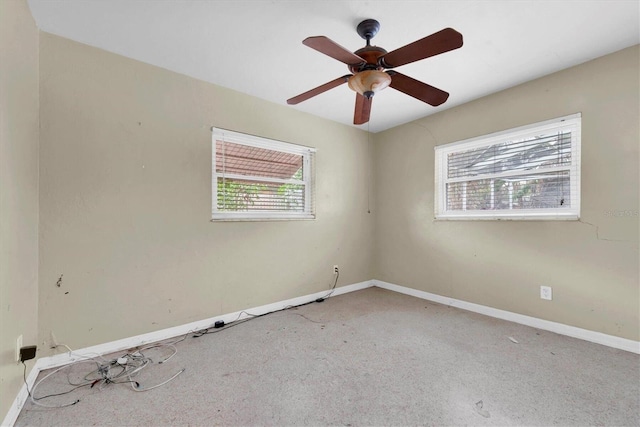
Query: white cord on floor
x=157 y=385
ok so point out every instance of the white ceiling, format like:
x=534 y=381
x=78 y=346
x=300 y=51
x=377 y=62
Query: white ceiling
x=255 y=47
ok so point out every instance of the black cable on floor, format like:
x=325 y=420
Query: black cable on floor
x=207 y=331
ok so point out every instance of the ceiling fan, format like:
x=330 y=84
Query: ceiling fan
x=367 y=66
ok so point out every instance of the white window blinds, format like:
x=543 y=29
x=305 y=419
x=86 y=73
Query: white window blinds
x=531 y=172
x=258 y=178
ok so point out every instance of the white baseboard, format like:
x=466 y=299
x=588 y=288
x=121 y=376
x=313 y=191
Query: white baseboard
x=151 y=337
x=21 y=398
x=559 y=328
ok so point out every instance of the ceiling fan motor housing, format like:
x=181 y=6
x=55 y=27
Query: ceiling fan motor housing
x=369 y=77
x=370 y=54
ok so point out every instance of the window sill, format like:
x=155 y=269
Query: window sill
x=227 y=217
x=513 y=217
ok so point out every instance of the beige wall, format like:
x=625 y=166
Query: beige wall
x=592 y=265
x=125 y=196
x=18 y=191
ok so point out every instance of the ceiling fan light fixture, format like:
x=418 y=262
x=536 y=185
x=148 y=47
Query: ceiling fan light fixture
x=369 y=82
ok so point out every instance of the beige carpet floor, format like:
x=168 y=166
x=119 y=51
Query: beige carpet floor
x=371 y=357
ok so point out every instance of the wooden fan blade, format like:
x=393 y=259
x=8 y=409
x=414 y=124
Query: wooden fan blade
x=330 y=48
x=422 y=91
x=318 y=90
x=363 y=110
x=435 y=44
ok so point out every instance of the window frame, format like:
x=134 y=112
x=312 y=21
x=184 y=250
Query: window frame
x=308 y=178
x=573 y=122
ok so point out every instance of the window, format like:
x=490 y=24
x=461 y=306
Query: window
x=532 y=172
x=256 y=178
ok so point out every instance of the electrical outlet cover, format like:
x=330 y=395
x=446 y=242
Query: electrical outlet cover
x=18 y=347
x=54 y=341
x=546 y=292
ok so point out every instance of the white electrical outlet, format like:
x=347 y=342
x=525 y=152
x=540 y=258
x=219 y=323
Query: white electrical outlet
x=18 y=347
x=54 y=341
x=335 y=269
x=546 y=292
